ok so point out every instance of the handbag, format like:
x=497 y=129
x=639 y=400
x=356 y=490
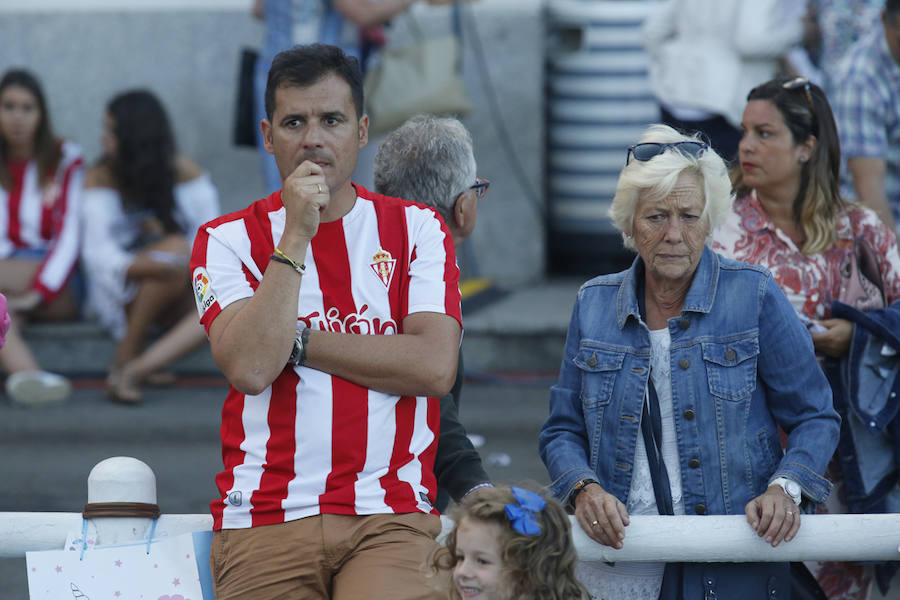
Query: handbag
x=861 y=283
x=706 y=581
x=423 y=77
x=244 y=132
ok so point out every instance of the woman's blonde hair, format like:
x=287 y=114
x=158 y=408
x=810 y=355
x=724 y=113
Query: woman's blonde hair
x=655 y=178
x=537 y=567
x=818 y=203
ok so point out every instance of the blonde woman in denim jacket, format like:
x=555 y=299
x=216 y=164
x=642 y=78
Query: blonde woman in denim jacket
x=721 y=346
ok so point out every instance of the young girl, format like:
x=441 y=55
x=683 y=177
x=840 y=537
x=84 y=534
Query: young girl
x=510 y=543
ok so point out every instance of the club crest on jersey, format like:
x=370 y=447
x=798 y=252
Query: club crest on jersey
x=203 y=291
x=383 y=265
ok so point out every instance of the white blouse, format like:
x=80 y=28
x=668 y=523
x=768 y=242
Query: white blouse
x=108 y=232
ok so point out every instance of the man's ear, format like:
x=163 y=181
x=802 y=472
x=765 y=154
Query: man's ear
x=266 y=128
x=363 y=131
x=459 y=210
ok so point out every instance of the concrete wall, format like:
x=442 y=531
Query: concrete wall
x=187 y=52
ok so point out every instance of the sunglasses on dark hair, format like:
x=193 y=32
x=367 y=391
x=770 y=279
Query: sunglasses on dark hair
x=801 y=82
x=647 y=150
x=481 y=187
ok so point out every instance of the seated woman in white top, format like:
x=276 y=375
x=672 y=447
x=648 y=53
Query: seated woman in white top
x=143 y=203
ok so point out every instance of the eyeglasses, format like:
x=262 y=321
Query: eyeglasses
x=647 y=150
x=481 y=187
x=801 y=82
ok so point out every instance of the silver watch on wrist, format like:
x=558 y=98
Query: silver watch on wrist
x=790 y=487
x=298 y=353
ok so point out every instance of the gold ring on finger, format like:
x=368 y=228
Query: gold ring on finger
x=594 y=523
x=319 y=187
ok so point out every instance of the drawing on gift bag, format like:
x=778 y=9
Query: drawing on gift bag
x=76 y=593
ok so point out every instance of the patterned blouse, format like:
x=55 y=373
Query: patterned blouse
x=812 y=282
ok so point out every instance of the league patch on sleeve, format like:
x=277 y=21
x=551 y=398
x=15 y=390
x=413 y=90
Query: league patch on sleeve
x=203 y=291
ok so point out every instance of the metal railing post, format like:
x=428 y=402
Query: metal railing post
x=118 y=480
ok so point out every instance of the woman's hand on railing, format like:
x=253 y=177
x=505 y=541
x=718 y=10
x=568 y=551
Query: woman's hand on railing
x=774 y=515
x=601 y=515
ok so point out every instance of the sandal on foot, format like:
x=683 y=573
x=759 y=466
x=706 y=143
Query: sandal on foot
x=124 y=388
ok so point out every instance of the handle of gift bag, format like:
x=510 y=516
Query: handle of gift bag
x=132 y=510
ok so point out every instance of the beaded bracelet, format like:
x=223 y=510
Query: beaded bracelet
x=283 y=258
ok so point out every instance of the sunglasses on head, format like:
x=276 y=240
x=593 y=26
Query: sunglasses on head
x=647 y=150
x=800 y=82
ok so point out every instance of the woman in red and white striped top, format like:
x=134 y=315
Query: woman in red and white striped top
x=41 y=180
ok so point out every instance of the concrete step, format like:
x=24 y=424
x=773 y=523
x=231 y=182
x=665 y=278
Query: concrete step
x=518 y=330
x=524 y=330
x=83 y=348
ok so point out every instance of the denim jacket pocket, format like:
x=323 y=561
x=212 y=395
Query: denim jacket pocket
x=598 y=374
x=731 y=367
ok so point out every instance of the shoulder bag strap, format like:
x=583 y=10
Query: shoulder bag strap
x=651 y=428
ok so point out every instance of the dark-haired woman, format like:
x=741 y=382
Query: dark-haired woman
x=790 y=218
x=143 y=204
x=41 y=179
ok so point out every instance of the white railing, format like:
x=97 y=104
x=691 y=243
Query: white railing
x=648 y=538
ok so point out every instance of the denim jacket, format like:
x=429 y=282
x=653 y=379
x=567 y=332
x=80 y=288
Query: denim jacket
x=866 y=385
x=742 y=364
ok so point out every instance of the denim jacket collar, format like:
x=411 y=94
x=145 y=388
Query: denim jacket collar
x=699 y=298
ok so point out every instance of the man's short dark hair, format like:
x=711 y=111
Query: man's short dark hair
x=303 y=66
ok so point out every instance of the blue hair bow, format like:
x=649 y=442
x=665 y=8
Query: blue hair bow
x=523 y=515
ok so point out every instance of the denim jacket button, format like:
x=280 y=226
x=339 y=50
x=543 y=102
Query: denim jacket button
x=592 y=361
x=684 y=323
x=683 y=364
x=689 y=414
x=730 y=354
x=694 y=463
x=700 y=509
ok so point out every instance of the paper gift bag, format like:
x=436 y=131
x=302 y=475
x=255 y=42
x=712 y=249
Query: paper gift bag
x=163 y=569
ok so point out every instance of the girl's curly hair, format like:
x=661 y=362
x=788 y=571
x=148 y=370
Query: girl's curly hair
x=537 y=567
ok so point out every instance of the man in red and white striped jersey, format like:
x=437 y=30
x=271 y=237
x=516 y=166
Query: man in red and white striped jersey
x=334 y=313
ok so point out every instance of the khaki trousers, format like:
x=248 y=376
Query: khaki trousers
x=344 y=557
